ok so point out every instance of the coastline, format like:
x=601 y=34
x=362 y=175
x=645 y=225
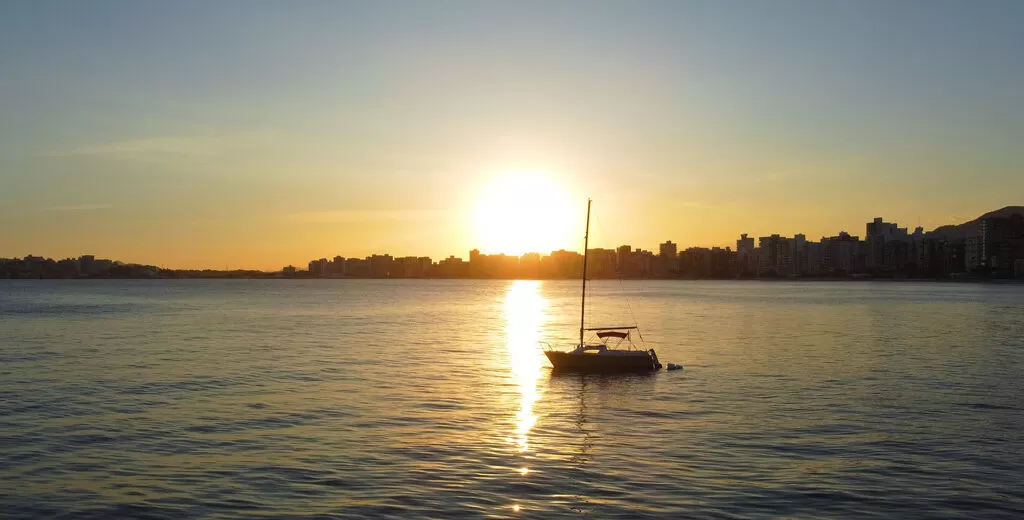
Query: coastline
x=278 y=276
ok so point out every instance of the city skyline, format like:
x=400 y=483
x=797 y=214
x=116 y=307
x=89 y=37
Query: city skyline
x=302 y=261
x=258 y=136
x=991 y=245
x=886 y=249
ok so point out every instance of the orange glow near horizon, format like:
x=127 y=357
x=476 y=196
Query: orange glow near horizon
x=429 y=131
x=526 y=211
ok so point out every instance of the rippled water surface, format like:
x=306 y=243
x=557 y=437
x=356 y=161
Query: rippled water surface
x=360 y=398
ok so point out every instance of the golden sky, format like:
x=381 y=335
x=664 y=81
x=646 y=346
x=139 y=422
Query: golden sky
x=204 y=135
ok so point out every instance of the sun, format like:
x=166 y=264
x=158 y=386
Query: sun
x=527 y=212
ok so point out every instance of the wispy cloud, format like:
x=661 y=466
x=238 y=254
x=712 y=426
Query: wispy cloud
x=145 y=148
x=79 y=207
x=360 y=216
x=695 y=204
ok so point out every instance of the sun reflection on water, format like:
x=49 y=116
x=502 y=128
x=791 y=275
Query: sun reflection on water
x=524 y=317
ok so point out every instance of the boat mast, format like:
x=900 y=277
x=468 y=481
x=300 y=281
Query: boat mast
x=583 y=301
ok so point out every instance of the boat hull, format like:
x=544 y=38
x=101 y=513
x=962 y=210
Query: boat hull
x=605 y=362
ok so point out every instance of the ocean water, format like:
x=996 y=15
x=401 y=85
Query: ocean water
x=432 y=399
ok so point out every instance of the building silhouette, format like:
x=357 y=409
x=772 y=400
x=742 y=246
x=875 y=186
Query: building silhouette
x=991 y=246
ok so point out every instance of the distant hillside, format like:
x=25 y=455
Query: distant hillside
x=961 y=231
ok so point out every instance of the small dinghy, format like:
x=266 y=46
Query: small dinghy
x=675 y=366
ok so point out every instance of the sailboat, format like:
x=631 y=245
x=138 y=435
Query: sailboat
x=598 y=356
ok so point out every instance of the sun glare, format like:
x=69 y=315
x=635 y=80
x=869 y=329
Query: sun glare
x=524 y=313
x=525 y=212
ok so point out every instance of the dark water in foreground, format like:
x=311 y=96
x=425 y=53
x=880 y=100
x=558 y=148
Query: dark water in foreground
x=248 y=399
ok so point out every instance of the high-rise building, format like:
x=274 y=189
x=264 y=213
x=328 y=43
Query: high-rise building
x=701 y=262
x=426 y=265
x=771 y=250
x=476 y=267
x=102 y=265
x=813 y=264
x=381 y=265
x=879 y=233
x=452 y=267
x=746 y=256
x=563 y=264
x=644 y=263
x=916 y=255
x=943 y=258
x=410 y=267
x=529 y=265
x=320 y=268
x=667 y=251
x=601 y=263
x=87 y=264
x=838 y=254
x=357 y=267
x=798 y=255
x=972 y=253
x=625 y=260
x=1002 y=243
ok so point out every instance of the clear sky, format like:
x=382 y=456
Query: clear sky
x=257 y=134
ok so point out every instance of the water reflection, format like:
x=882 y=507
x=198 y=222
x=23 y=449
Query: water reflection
x=524 y=317
x=580 y=459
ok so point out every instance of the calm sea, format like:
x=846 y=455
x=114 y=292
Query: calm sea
x=363 y=398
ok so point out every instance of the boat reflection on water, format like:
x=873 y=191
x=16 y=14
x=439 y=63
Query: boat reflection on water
x=591 y=393
x=526 y=314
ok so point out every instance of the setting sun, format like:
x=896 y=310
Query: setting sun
x=526 y=212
